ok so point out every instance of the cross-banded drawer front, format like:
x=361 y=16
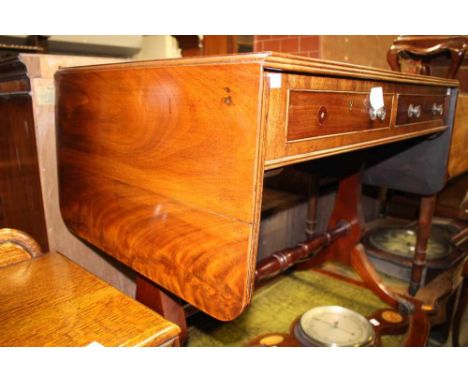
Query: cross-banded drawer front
x=420 y=108
x=317 y=116
x=321 y=113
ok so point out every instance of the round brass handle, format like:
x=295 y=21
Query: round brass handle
x=414 y=111
x=437 y=109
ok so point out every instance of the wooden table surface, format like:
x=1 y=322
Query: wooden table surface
x=162 y=162
x=51 y=301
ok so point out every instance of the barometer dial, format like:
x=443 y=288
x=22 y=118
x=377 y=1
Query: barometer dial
x=334 y=326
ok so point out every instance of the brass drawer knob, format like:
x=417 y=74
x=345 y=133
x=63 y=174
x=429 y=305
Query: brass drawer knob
x=414 y=111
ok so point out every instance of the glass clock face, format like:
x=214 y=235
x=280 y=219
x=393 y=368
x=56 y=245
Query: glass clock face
x=402 y=242
x=334 y=326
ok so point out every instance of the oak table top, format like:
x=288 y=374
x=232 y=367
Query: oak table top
x=51 y=301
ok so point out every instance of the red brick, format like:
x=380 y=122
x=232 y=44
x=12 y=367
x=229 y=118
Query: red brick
x=262 y=37
x=305 y=54
x=290 y=45
x=271 y=45
x=309 y=43
x=258 y=46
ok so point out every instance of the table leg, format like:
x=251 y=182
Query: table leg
x=163 y=302
x=348 y=249
x=312 y=204
x=423 y=234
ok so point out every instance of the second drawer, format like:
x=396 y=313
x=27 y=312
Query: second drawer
x=420 y=108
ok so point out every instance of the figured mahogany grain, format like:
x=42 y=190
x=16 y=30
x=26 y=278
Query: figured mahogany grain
x=164 y=303
x=158 y=167
x=157 y=130
x=161 y=162
x=192 y=253
x=50 y=301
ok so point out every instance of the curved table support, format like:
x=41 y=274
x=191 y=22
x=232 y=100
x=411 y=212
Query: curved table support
x=367 y=272
x=349 y=251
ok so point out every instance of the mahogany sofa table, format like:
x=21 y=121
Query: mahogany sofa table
x=161 y=163
x=51 y=301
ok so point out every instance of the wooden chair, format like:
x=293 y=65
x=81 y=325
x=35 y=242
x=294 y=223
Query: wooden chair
x=421 y=50
x=17 y=246
x=418 y=54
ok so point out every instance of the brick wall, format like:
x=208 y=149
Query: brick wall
x=369 y=50
x=307 y=46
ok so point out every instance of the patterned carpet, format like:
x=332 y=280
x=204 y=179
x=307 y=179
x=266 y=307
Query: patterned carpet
x=276 y=305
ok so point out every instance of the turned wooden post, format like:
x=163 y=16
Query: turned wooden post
x=424 y=232
x=282 y=260
x=312 y=204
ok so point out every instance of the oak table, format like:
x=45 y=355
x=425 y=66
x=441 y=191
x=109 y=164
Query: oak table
x=51 y=301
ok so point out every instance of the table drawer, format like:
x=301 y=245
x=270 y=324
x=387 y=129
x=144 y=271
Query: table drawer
x=420 y=108
x=320 y=113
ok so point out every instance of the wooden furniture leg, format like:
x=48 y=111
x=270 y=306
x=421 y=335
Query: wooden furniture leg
x=462 y=302
x=424 y=232
x=365 y=269
x=348 y=249
x=164 y=303
x=348 y=208
x=312 y=204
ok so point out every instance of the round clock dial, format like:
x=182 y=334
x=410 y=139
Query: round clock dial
x=334 y=326
x=402 y=242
